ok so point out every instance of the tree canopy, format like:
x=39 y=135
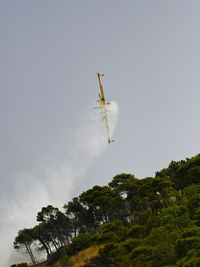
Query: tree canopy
x=150 y=222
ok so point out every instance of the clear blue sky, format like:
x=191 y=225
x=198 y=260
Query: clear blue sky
x=50 y=52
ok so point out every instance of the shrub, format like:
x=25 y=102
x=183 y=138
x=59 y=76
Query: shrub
x=116 y=227
x=163 y=254
x=108 y=237
x=113 y=255
x=82 y=241
x=142 y=255
x=136 y=231
x=64 y=261
x=130 y=244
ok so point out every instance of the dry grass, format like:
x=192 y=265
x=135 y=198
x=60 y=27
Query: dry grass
x=84 y=256
x=57 y=264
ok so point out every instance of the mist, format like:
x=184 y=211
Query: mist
x=53 y=181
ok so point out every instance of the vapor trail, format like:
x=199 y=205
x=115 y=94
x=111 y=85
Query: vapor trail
x=53 y=183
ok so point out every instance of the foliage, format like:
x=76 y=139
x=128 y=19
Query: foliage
x=113 y=254
x=130 y=243
x=137 y=231
x=78 y=243
x=23 y=264
x=65 y=261
x=86 y=257
x=182 y=173
x=148 y=222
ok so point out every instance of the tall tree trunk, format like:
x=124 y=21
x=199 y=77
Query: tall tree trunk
x=29 y=250
x=44 y=245
x=54 y=243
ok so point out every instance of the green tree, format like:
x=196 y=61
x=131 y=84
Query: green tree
x=188 y=245
x=60 y=224
x=105 y=204
x=40 y=233
x=80 y=242
x=137 y=231
x=23 y=242
x=81 y=217
x=114 y=231
x=121 y=179
x=191 y=195
x=170 y=171
x=114 y=254
x=188 y=173
x=142 y=256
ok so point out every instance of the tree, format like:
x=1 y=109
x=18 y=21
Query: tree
x=191 y=194
x=81 y=217
x=60 y=224
x=80 y=242
x=113 y=254
x=104 y=204
x=188 y=173
x=23 y=242
x=153 y=221
x=42 y=235
x=121 y=179
x=116 y=227
x=170 y=171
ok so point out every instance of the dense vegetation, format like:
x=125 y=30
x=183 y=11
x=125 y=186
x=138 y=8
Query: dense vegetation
x=151 y=222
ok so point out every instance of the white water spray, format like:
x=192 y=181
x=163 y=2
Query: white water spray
x=53 y=183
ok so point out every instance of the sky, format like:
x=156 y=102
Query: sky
x=53 y=144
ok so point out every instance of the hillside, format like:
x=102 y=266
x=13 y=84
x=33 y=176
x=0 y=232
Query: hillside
x=153 y=221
